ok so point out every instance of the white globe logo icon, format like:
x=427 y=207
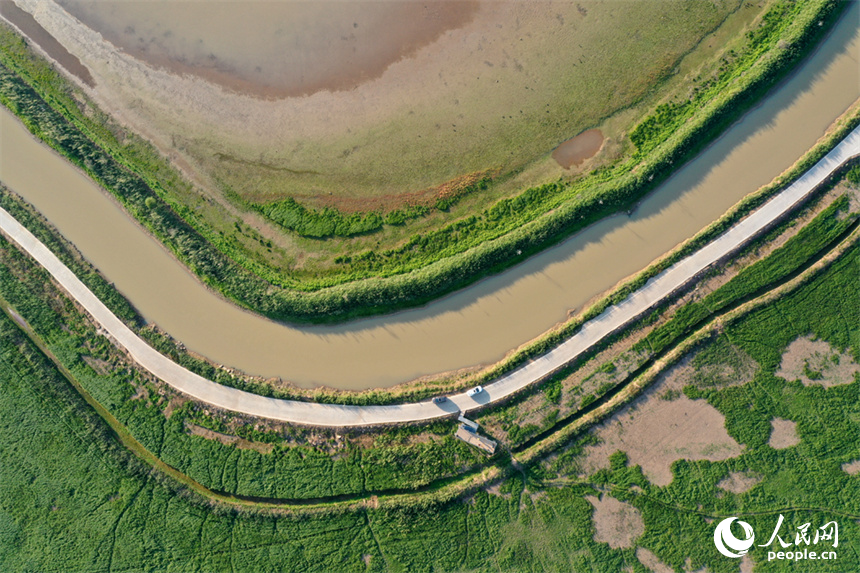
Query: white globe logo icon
x=727 y=543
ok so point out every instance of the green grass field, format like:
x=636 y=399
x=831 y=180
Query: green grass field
x=71 y=500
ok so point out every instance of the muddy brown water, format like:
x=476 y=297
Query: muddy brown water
x=25 y=22
x=478 y=324
x=272 y=48
x=576 y=150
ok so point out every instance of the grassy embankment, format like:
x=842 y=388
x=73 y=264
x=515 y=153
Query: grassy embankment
x=566 y=403
x=412 y=392
x=75 y=503
x=321 y=466
x=431 y=263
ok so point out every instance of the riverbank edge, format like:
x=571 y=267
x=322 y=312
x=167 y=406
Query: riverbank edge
x=421 y=389
x=244 y=283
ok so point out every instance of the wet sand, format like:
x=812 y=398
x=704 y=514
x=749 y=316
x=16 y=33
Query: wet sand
x=273 y=49
x=485 y=95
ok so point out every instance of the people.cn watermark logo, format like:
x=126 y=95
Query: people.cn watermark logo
x=732 y=546
x=727 y=543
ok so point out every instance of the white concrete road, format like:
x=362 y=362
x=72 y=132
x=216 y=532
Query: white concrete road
x=315 y=414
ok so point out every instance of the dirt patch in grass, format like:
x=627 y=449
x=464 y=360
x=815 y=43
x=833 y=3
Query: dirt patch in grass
x=617 y=523
x=660 y=427
x=229 y=440
x=852 y=468
x=452 y=189
x=816 y=362
x=784 y=434
x=652 y=562
x=496 y=489
x=97 y=364
x=576 y=150
x=173 y=404
x=739 y=482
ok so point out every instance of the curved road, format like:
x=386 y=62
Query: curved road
x=314 y=414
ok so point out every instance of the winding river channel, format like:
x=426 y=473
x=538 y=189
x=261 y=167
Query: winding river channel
x=479 y=324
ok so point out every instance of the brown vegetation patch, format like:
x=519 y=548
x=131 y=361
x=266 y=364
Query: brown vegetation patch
x=852 y=468
x=739 y=482
x=660 y=427
x=816 y=362
x=97 y=364
x=174 y=403
x=228 y=440
x=452 y=189
x=496 y=489
x=617 y=523
x=784 y=434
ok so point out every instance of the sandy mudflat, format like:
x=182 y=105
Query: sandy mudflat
x=273 y=49
x=404 y=97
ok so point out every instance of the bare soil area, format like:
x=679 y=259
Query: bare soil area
x=815 y=362
x=739 y=482
x=784 y=434
x=617 y=523
x=229 y=440
x=647 y=558
x=655 y=432
x=852 y=468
